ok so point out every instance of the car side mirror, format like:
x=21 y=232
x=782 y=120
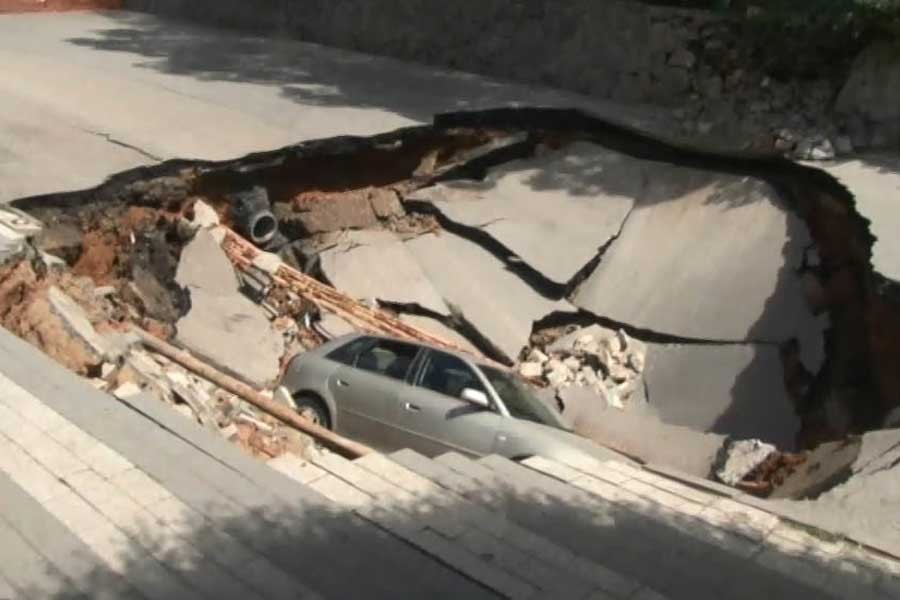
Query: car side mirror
x=476 y=397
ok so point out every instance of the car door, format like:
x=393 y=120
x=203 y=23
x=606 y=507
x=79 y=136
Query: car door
x=365 y=390
x=431 y=418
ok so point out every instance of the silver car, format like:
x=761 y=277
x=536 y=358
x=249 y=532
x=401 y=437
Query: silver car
x=392 y=394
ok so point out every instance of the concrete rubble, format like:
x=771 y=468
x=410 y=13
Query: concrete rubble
x=740 y=458
x=495 y=301
x=608 y=363
x=222 y=323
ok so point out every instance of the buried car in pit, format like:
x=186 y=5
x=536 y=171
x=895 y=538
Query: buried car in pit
x=394 y=394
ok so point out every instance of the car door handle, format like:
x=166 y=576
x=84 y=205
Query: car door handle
x=342 y=383
x=411 y=407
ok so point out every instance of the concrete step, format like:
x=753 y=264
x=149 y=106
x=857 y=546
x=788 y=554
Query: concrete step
x=827 y=564
x=403 y=514
x=641 y=533
x=296 y=468
x=604 y=532
x=493 y=510
x=548 y=567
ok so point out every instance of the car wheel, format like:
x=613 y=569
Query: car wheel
x=312 y=409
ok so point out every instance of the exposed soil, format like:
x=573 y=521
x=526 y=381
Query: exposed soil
x=26 y=311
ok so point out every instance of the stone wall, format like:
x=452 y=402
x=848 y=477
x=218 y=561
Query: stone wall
x=697 y=64
x=624 y=50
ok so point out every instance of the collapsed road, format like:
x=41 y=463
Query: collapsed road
x=643 y=286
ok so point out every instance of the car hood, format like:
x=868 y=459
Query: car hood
x=549 y=441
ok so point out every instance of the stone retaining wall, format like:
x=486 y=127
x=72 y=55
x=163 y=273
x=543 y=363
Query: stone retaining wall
x=624 y=50
x=701 y=66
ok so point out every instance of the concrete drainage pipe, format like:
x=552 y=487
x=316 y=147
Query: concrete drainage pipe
x=253 y=215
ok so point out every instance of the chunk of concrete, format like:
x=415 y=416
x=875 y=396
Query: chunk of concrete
x=640 y=433
x=205 y=266
x=223 y=326
x=205 y=216
x=740 y=458
x=554 y=211
x=707 y=256
x=497 y=302
x=734 y=390
x=78 y=323
x=376 y=264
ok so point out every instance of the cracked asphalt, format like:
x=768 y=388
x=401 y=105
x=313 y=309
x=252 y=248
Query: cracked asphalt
x=85 y=95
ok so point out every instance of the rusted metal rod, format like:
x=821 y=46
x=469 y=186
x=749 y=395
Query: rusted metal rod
x=241 y=252
x=329 y=439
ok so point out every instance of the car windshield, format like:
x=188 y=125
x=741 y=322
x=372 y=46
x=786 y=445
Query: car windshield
x=519 y=400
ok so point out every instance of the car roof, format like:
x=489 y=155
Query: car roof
x=480 y=363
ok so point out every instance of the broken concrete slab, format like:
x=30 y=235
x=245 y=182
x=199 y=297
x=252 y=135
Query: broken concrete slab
x=554 y=211
x=501 y=306
x=642 y=435
x=708 y=257
x=740 y=458
x=874 y=181
x=205 y=266
x=866 y=506
x=728 y=389
x=233 y=333
x=376 y=264
x=222 y=325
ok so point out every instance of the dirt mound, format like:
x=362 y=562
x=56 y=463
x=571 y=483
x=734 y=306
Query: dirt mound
x=26 y=311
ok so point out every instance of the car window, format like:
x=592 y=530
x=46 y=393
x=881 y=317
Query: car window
x=387 y=357
x=519 y=400
x=347 y=353
x=449 y=375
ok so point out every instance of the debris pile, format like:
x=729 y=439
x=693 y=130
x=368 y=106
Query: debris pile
x=202 y=401
x=610 y=363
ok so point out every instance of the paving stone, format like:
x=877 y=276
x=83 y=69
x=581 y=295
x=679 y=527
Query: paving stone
x=555 y=227
x=340 y=491
x=29 y=474
x=296 y=468
x=27 y=570
x=59 y=545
